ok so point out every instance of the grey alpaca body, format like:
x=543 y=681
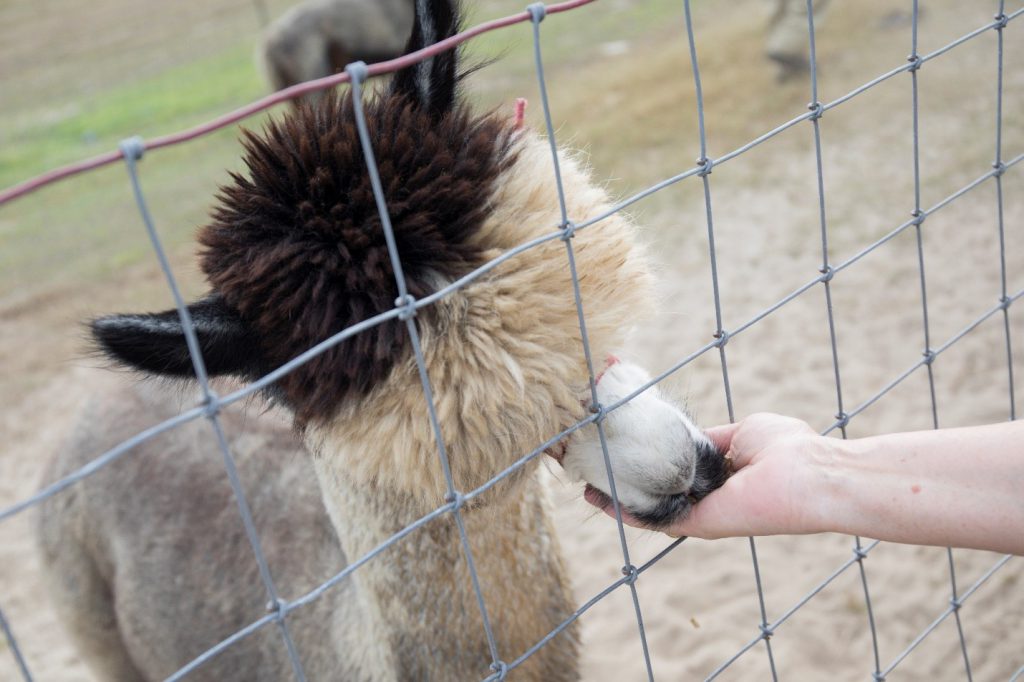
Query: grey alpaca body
x=317 y=38
x=160 y=529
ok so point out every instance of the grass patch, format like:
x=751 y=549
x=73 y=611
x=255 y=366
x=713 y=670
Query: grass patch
x=176 y=98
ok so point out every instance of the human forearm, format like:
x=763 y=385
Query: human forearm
x=958 y=487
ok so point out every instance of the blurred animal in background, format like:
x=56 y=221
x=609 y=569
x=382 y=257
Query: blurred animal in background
x=787 y=43
x=317 y=38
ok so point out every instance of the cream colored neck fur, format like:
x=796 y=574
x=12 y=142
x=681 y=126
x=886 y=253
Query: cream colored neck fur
x=506 y=363
x=419 y=613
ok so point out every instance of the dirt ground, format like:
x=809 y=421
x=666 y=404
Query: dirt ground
x=699 y=603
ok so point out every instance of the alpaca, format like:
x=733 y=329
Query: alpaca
x=147 y=560
x=318 y=38
x=787 y=41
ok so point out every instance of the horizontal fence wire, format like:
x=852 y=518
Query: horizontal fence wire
x=406 y=306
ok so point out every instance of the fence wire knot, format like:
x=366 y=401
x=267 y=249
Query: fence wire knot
x=631 y=573
x=408 y=305
x=929 y=356
x=1000 y=168
x=705 y=164
x=860 y=553
x=276 y=607
x=1004 y=302
x=817 y=110
x=501 y=670
x=568 y=230
x=955 y=603
x=915 y=62
x=767 y=631
x=210 y=404
x=1001 y=20
x=827 y=273
x=918 y=216
x=597 y=409
x=132 y=148
x=538 y=11
x=842 y=420
x=456 y=499
x=878 y=677
x=358 y=72
x=723 y=338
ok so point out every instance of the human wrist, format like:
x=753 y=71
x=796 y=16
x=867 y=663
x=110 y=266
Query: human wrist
x=830 y=492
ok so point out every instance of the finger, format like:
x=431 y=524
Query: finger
x=722 y=435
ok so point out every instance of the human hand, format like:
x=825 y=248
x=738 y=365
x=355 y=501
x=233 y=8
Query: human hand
x=778 y=464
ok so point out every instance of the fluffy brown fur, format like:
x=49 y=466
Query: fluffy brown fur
x=297 y=246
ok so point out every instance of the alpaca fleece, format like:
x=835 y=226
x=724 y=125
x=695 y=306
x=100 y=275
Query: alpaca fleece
x=297 y=246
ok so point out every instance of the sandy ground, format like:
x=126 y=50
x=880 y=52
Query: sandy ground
x=699 y=603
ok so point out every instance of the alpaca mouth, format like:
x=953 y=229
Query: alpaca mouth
x=557 y=451
x=668 y=509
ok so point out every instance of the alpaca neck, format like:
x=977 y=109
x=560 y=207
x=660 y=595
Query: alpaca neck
x=419 y=616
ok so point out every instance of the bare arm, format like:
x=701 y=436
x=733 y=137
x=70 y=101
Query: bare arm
x=956 y=487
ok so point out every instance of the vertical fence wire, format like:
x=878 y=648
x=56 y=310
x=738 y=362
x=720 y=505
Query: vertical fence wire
x=827 y=272
x=706 y=164
x=537 y=13
x=406 y=307
x=929 y=353
x=133 y=150
x=1000 y=169
x=12 y=643
x=405 y=301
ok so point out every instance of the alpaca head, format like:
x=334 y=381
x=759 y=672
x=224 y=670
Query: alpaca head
x=295 y=253
x=661 y=461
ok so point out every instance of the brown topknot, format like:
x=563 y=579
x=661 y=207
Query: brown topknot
x=296 y=245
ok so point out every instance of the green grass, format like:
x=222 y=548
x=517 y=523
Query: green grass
x=177 y=98
x=88 y=228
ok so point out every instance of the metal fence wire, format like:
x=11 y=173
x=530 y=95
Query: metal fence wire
x=131 y=152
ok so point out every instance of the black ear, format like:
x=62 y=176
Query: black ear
x=155 y=342
x=432 y=82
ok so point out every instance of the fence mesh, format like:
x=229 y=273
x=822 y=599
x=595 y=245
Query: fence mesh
x=131 y=152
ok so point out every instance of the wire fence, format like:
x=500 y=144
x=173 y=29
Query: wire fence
x=131 y=152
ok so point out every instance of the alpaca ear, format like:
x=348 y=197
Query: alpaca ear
x=155 y=342
x=432 y=82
